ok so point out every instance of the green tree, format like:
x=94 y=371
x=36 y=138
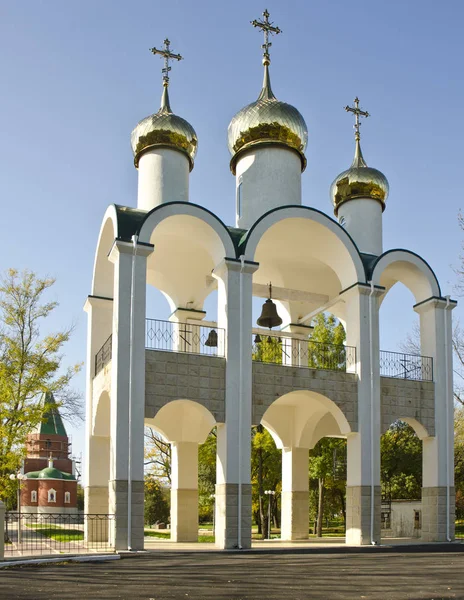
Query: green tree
x=157 y=456
x=266 y=474
x=326 y=348
x=207 y=477
x=401 y=462
x=30 y=364
x=156 y=507
x=327 y=467
x=267 y=348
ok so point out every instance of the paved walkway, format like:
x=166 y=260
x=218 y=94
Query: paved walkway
x=328 y=574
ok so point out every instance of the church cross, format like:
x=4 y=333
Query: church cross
x=357 y=113
x=267 y=28
x=167 y=55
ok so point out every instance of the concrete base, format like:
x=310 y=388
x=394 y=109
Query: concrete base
x=295 y=516
x=96 y=503
x=358 y=515
x=434 y=514
x=184 y=515
x=118 y=507
x=226 y=524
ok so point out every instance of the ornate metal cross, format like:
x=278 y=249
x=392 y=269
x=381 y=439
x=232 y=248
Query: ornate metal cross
x=167 y=55
x=357 y=113
x=267 y=28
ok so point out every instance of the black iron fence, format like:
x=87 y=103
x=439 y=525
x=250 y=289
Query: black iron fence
x=289 y=351
x=103 y=356
x=406 y=366
x=184 y=337
x=56 y=533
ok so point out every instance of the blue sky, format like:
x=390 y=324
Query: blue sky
x=77 y=77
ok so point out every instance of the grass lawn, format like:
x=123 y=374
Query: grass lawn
x=460 y=528
x=58 y=533
x=166 y=535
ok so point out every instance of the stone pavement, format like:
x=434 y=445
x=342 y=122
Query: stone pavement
x=409 y=572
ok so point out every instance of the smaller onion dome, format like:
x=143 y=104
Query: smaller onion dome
x=164 y=129
x=359 y=181
x=267 y=121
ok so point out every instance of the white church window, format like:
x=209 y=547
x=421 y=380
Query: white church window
x=51 y=495
x=67 y=497
x=33 y=496
x=239 y=199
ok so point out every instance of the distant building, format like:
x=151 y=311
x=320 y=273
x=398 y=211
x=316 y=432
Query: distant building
x=51 y=485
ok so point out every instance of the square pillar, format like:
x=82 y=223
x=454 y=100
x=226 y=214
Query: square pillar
x=184 y=492
x=295 y=494
x=126 y=486
x=233 y=480
x=438 y=493
x=97 y=465
x=363 y=494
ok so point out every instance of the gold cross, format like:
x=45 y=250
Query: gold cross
x=167 y=55
x=267 y=28
x=357 y=113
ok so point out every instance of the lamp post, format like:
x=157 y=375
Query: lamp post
x=269 y=493
x=19 y=477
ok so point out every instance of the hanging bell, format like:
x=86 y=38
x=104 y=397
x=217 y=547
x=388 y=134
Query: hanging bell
x=257 y=339
x=212 y=340
x=269 y=315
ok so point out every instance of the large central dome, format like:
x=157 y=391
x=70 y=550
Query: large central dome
x=267 y=121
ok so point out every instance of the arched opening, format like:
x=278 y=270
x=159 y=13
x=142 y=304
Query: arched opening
x=309 y=428
x=179 y=432
x=401 y=479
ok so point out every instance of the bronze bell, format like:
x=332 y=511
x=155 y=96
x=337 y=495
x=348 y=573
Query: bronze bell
x=257 y=339
x=269 y=315
x=212 y=340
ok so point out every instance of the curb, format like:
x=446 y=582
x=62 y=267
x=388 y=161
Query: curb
x=45 y=561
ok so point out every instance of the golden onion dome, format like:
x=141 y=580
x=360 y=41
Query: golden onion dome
x=164 y=129
x=267 y=121
x=359 y=181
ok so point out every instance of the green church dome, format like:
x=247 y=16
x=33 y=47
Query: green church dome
x=50 y=473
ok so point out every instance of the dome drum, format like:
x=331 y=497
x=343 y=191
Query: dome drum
x=359 y=182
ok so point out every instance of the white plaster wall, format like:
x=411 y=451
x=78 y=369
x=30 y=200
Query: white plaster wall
x=163 y=177
x=402 y=519
x=270 y=177
x=362 y=218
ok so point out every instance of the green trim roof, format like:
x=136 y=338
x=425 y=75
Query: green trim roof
x=51 y=423
x=50 y=473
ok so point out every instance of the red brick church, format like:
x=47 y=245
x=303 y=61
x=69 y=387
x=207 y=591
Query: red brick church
x=50 y=485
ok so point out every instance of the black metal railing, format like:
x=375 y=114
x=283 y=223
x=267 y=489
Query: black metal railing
x=406 y=366
x=284 y=350
x=103 y=356
x=184 y=337
x=35 y=534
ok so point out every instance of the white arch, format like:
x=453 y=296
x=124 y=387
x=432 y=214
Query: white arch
x=103 y=270
x=293 y=419
x=102 y=416
x=172 y=209
x=341 y=253
x=419 y=429
x=183 y=421
x=408 y=268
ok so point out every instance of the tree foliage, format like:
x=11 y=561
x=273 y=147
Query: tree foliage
x=30 y=364
x=157 y=456
x=157 y=506
x=326 y=348
x=401 y=463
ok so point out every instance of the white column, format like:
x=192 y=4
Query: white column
x=97 y=464
x=295 y=494
x=295 y=350
x=233 y=482
x=187 y=330
x=122 y=255
x=363 y=447
x=438 y=494
x=184 y=492
x=163 y=177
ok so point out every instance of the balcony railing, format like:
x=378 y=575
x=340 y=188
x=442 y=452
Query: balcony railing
x=290 y=351
x=406 y=366
x=184 y=337
x=103 y=356
x=280 y=349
